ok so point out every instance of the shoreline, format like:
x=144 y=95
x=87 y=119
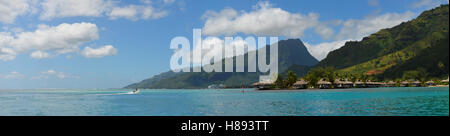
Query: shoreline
x=278 y=89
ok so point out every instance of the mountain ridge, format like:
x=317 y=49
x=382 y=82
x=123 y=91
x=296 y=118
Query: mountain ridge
x=391 y=48
x=290 y=52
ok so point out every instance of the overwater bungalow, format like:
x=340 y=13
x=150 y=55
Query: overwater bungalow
x=445 y=81
x=430 y=83
x=343 y=84
x=263 y=85
x=390 y=84
x=302 y=84
x=404 y=84
x=416 y=83
x=324 y=84
x=359 y=84
x=371 y=84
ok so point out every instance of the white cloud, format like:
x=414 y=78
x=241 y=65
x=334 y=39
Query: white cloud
x=52 y=73
x=39 y=55
x=97 y=8
x=74 y=8
x=64 y=38
x=324 y=31
x=134 y=12
x=10 y=9
x=13 y=75
x=7 y=54
x=428 y=3
x=61 y=39
x=264 y=20
x=357 y=29
x=320 y=51
x=107 y=50
x=214 y=43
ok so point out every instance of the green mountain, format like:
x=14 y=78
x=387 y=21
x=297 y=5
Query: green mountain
x=419 y=43
x=292 y=55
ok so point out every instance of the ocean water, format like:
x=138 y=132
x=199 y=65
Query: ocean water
x=348 y=102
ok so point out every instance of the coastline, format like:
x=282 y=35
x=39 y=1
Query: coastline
x=312 y=89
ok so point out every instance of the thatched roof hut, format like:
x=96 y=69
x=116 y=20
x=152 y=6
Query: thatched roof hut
x=405 y=82
x=343 y=83
x=263 y=85
x=339 y=81
x=323 y=82
x=301 y=82
x=445 y=81
x=390 y=83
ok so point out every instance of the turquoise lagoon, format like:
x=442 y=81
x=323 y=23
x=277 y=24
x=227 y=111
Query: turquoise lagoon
x=227 y=102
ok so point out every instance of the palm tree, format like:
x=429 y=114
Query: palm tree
x=290 y=79
x=279 y=82
x=330 y=75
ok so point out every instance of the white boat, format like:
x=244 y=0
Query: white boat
x=136 y=91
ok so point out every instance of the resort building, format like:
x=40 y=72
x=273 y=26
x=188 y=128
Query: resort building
x=404 y=84
x=263 y=85
x=416 y=84
x=390 y=84
x=430 y=83
x=371 y=84
x=359 y=84
x=324 y=84
x=302 y=84
x=445 y=81
x=411 y=84
x=343 y=84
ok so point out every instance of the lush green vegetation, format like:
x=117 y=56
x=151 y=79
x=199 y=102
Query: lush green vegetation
x=281 y=83
x=387 y=53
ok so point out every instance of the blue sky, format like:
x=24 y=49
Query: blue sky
x=112 y=43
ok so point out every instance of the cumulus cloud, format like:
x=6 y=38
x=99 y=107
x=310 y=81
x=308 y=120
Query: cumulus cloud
x=134 y=12
x=74 y=8
x=264 y=20
x=107 y=50
x=324 y=31
x=62 y=39
x=428 y=3
x=10 y=9
x=6 y=53
x=356 y=29
x=320 y=51
x=97 y=8
x=214 y=43
x=39 y=55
